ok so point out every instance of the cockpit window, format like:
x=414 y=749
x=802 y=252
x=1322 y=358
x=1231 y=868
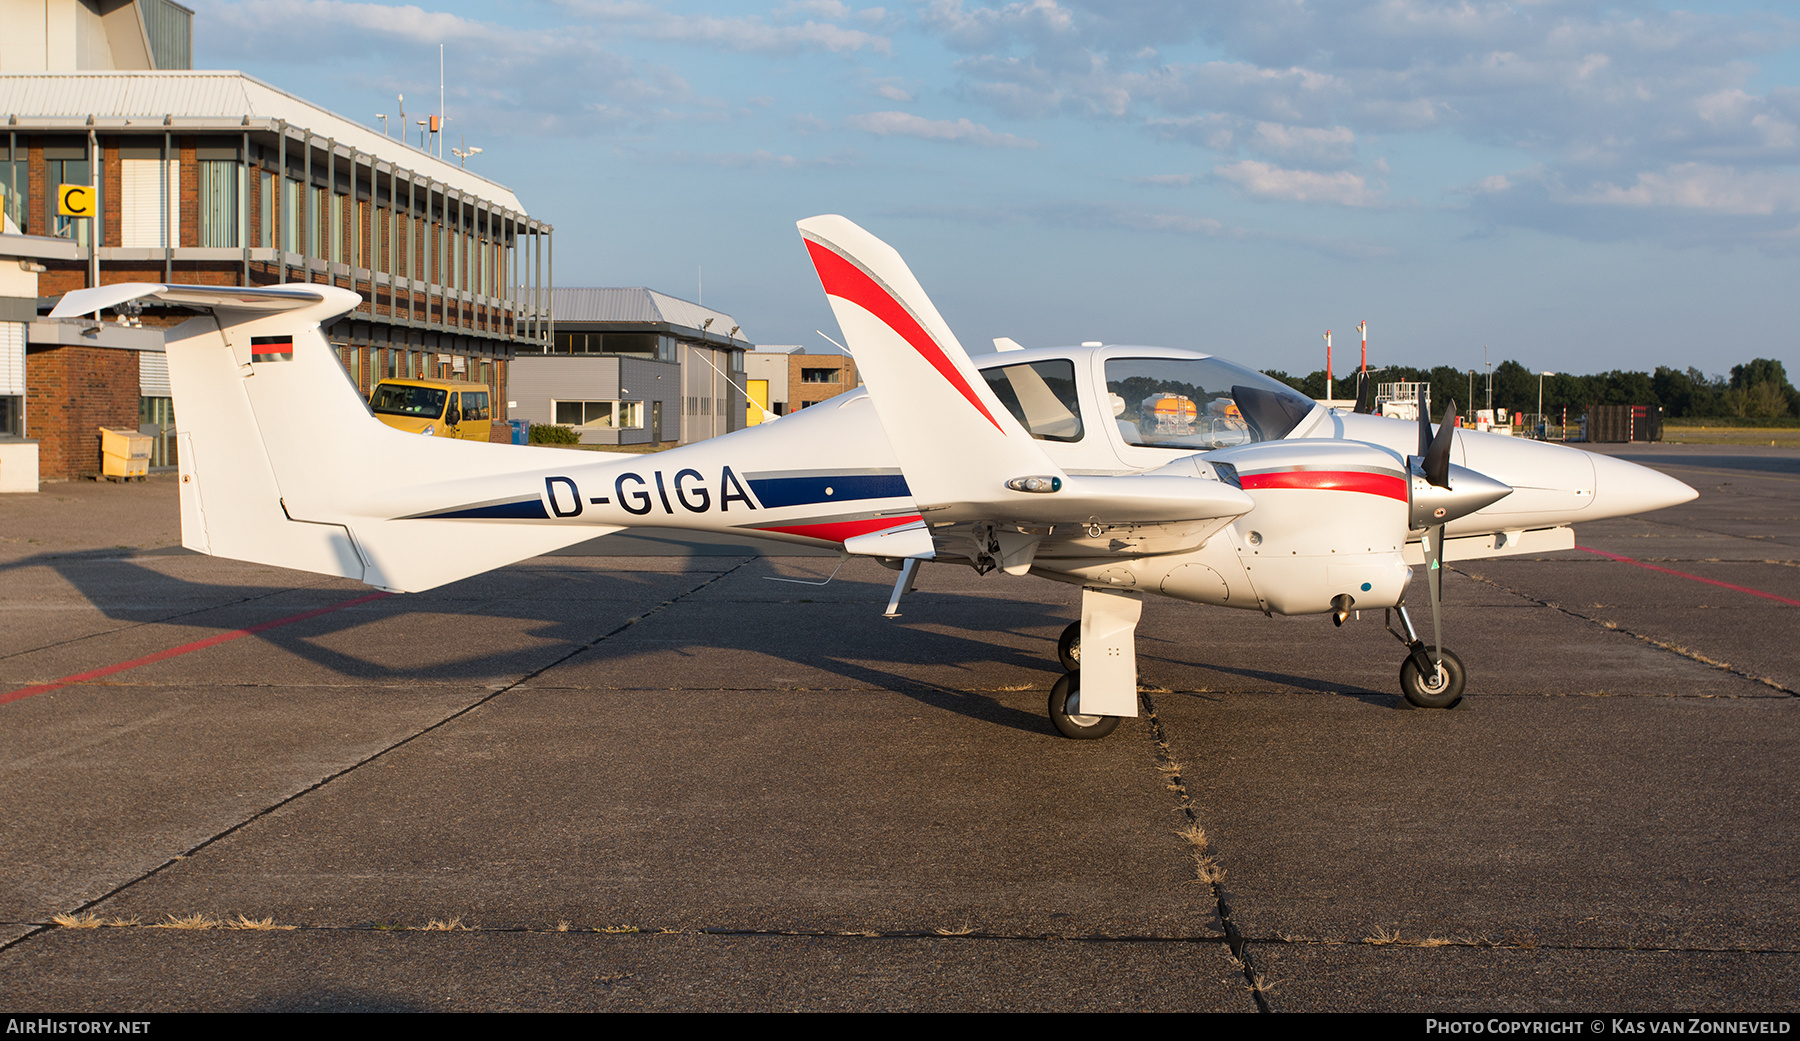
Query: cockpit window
x=1199 y=404
x=1041 y=396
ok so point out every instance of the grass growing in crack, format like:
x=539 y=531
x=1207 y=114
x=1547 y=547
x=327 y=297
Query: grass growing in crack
x=260 y=924
x=1207 y=869
x=441 y=925
x=90 y=920
x=197 y=920
x=1382 y=937
x=961 y=930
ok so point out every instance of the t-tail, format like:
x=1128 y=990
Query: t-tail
x=282 y=462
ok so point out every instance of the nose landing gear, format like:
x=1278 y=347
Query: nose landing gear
x=1430 y=677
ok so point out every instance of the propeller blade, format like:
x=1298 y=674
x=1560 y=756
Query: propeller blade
x=1434 y=585
x=1424 y=431
x=1365 y=395
x=1437 y=455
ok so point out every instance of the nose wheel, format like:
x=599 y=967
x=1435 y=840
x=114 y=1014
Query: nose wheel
x=1430 y=677
x=1441 y=687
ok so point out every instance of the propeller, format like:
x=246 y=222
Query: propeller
x=1439 y=492
x=1434 y=466
x=1365 y=394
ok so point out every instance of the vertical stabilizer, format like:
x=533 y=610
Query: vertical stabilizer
x=956 y=442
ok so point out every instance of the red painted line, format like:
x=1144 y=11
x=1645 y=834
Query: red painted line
x=1330 y=480
x=838 y=531
x=186 y=648
x=845 y=280
x=1683 y=574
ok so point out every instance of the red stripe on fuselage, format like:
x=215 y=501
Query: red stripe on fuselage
x=839 y=531
x=846 y=281
x=1329 y=480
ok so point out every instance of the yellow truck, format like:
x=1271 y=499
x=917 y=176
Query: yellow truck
x=435 y=408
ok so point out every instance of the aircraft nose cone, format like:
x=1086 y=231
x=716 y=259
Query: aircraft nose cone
x=1622 y=488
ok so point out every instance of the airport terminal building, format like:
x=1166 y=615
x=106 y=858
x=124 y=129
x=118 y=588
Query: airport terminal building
x=217 y=178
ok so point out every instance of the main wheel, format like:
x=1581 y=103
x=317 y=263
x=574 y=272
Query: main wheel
x=1442 y=690
x=1066 y=695
x=1068 y=647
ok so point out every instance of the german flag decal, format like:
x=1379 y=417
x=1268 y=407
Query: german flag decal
x=271 y=348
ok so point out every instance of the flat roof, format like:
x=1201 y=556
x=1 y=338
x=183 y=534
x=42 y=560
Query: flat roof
x=224 y=100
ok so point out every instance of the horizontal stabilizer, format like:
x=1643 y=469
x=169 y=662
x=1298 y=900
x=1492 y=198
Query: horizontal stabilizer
x=234 y=298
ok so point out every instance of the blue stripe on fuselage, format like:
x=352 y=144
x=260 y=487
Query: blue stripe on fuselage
x=776 y=492
x=528 y=509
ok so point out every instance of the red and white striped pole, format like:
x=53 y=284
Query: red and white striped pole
x=1329 y=396
x=1363 y=327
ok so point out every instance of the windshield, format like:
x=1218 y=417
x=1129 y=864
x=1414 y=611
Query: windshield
x=419 y=402
x=1199 y=404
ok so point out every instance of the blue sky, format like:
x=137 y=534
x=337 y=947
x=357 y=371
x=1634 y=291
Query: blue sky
x=1580 y=186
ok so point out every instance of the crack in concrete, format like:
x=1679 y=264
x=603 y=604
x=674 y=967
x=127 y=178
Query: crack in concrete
x=1235 y=941
x=1672 y=648
x=373 y=756
x=148 y=621
x=1278 y=939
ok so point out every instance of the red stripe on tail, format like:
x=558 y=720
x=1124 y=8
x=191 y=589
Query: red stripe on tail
x=846 y=281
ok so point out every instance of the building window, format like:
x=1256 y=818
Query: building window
x=150 y=206
x=59 y=172
x=156 y=417
x=819 y=375
x=15 y=180
x=609 y=414
x=12 y=415
x=221 y=190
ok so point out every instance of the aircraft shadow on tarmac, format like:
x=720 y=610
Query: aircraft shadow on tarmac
x=532 y=615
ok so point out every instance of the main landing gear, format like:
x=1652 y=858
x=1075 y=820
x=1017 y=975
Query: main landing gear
x=1110 y=617
x=1430 y=677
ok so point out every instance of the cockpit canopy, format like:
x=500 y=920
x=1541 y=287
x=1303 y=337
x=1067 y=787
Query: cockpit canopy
x=1199 y=404
x=1180 y=401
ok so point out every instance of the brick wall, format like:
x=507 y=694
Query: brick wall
x=71 y=392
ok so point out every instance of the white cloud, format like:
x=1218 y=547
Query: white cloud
x=961 y=131
x=976 y=28
x=525 y=81
x=1264 y=181
x=746 y=33
x=1703 y=187
x=1593 y=92
x=1314 y=146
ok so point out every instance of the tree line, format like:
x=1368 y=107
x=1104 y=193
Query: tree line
x=1756 y=389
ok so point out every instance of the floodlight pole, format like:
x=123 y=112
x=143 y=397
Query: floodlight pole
x=1543 y=427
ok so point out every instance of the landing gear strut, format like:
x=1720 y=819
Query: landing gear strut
x=1109 y=617
x=1430 y=677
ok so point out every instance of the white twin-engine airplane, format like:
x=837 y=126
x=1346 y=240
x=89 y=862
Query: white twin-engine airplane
x=1124 y=470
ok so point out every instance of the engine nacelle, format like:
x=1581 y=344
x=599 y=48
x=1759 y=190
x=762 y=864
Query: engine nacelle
x=1331 y=519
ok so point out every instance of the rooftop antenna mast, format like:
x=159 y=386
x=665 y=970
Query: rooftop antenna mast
x=440 y=118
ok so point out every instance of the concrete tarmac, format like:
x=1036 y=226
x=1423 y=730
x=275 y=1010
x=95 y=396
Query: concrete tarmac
x=637 y=775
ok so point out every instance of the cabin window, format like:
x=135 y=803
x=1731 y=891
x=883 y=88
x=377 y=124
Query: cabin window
x=1041 y=396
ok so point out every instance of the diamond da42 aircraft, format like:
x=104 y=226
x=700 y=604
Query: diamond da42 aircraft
x=1123 y=470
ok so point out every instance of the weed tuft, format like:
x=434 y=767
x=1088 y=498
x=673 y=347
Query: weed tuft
x=197 y=920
